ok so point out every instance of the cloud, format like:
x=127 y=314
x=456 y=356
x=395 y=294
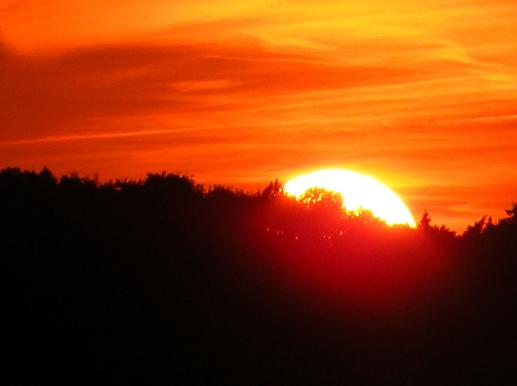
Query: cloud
x=46 y=95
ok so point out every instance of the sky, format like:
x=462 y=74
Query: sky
x=419 y=94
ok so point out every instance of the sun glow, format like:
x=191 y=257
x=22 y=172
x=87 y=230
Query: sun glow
x=358 y=191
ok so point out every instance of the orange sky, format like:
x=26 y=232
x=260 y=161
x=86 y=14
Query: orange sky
x=420 y=94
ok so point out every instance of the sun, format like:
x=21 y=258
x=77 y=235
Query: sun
x=358 y=191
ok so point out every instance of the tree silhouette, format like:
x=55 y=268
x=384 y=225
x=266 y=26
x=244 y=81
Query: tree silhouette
x=512 y=213
x=322 y=199
x=163 y=280
x=273 y=190
x=425 y=221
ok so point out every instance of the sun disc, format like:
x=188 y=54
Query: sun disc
x=358 y=191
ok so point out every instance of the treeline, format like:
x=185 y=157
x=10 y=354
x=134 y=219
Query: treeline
x=164 y=280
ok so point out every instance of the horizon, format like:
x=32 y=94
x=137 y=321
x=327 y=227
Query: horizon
x=249 y=190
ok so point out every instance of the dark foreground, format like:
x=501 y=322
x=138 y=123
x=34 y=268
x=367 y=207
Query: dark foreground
x=161 y=282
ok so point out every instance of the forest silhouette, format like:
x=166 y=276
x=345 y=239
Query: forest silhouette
x=162 y=280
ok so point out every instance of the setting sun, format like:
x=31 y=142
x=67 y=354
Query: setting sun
x=358 y=191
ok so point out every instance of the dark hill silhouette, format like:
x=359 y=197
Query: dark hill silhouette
x=164 y=281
